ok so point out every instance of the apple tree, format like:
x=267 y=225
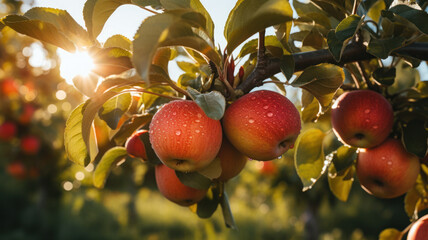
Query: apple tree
x=326 y=51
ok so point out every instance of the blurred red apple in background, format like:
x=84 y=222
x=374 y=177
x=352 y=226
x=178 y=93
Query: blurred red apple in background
x=30 y=145
x=7 y=131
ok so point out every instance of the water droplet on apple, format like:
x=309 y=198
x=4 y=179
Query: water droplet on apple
x=199 y=115
x=253 y=98
x=266 y=107
x=269 y=114
x=197 y=131
x=383 y=158
x=201 y=126
x=251 y=120
x=184 y=125
x=375 y=127
x=151 y=131
x=389 y=163
x=197 y=120
x=367 y=111
x=178 y=132
x=367 y=120
x=174 y=113
x=190 y=137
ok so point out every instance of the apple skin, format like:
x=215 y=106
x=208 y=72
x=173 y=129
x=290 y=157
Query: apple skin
x=7 y=131
x=232 y=161
x=135 y=146
x=419 y=230
x=183 y=137
x=171 y=188
x=262 y=124
x=388 y=170
x=362 y=118
x=30 y=145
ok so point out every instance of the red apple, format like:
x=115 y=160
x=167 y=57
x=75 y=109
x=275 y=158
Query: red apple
x=183 y=137
x=388 y=170
x=135 y=146
x=419 y=230
x=30 y=145
x=262 y=124
x=232 y=161
x=170 y=187
x=7 y=131
x=362 y=118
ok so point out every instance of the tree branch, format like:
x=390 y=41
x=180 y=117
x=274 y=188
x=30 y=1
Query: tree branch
x=353 y=52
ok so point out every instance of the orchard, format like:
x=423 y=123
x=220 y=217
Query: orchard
x=306 y=97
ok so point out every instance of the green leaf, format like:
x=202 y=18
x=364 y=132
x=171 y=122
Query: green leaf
x=287 y=66
x=195 y=5
x=194 y=180
x=118 y=41
x=172 y=28
x=229 y=220
x=376 y=9
x=213 y=170
x=411 y=201
x=252 y=16
x=314 y=39
x=342 y=34
x=344 y=157
x=385 y=76
x=144 y=3
x=75 y=146
x=63 y=21
x=251 y=46
x=340 y=185
x=382 y=48
x=322 y=81
x=96 y=13
x=40 y=30
x=309 y=157
x=415 y=137
x=129 y=127
x=109 y=159
x=114 y=108
x=208 y=205
x=212 y=103
x=347 y=27
x=390 y=234
x=418 y=17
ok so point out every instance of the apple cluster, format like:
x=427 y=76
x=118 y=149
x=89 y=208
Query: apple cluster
x=261 y=125
x=364 y=119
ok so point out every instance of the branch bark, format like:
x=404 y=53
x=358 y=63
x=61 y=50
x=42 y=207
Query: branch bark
x=353 y=53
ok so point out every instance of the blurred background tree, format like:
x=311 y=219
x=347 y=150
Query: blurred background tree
x=45 y=196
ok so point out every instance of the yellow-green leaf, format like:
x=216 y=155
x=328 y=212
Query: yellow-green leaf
x=252 y=16
x=322 y=81
x=341 y=184
x=96 y=13
x=309 y=157
x=63 y=21
x=195 y=5
x=172 y=28
x=75 y=146
x=108 y=160
x=43 y=31
x=118 y=41
x=390 y=234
